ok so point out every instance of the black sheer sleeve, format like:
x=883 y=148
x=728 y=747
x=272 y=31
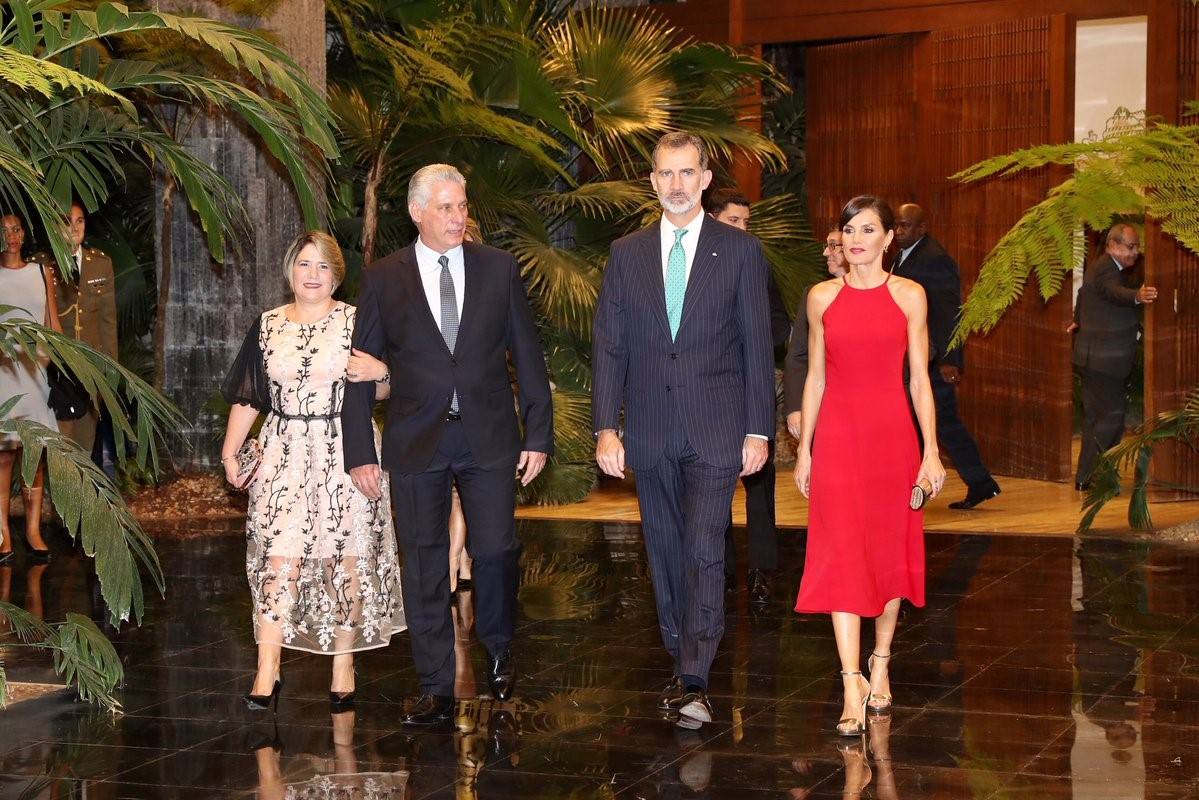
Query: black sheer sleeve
x=247 y=383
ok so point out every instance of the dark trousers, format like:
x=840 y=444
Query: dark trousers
x=1104 y=404
x=104 y=449
x=759 y=521
x=952 y=433
x=684 y=513
x=421 y=504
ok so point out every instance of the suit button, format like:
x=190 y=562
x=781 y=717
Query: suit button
x=453 y=361
x=668 y=388
x=674 y=355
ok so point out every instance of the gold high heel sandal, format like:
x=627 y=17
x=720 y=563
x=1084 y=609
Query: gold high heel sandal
x=878 y=703
x=858 y=726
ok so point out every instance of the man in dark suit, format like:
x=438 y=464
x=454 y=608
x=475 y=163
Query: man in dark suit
x=732 y=208
x=922 y=259
x=682 y=343
x=447 y=315
x=795 y=366
x=1108 y=317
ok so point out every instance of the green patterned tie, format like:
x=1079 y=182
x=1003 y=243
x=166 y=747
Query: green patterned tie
x=676 y=282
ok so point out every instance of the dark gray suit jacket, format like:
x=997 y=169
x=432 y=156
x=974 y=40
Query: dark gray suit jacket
x=720 y=369
x=795 y=365
x=1108 y=317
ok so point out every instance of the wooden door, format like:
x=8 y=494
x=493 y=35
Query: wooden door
x=1172 y=323
x=861 y=124
x=986 y=90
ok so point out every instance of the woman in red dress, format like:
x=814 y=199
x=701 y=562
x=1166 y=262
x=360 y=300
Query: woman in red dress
x=859 y=453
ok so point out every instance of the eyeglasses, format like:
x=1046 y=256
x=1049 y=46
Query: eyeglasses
x=831 y=245
x=1134 y=247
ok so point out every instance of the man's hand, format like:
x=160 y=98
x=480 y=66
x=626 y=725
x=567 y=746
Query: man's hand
x=753 y=455
x=609 y=453
x=1146 y=294
x=793 y=424
x=950 y=373
x=368 y=479
x=530 y=465
x=1072 y=327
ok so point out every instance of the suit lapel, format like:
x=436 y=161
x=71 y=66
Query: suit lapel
x=410 y=276
x=706 y=261
x=471 y=294
x=651 y=241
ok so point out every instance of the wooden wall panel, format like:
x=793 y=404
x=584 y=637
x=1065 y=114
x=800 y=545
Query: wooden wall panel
x=861 y=124
x=778 y=21
x=1172 y=323
x=997 y=88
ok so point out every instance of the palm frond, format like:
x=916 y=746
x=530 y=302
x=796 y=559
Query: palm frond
x=86 y=660
x=93 y=511
x=1179 y=425
x=598 y=199
x=1134 y=172
x=563 y=284
x=138 y=413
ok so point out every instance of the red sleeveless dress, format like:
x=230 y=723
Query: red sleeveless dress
x=865 y=544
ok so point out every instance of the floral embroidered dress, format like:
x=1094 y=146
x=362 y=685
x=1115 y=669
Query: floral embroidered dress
x=321 y=556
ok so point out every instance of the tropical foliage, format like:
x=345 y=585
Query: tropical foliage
x=551 y=112
x=91 y=507
x=1135 y=452
x=1137 y=170
x=88 y=94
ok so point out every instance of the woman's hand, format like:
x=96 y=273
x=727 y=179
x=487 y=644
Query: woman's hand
x=363 y=367
x=231 y=475
x=933 y=473
x=803 y=472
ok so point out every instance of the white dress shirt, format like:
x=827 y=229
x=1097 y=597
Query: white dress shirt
x=903 y=254
x=690 y=241
x=430 y=276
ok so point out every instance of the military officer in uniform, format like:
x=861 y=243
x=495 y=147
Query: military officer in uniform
x=87 y=303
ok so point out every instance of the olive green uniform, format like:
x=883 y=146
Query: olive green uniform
x=87 y=308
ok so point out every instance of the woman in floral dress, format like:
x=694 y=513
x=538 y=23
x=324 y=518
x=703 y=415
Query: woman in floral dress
x=321 y=556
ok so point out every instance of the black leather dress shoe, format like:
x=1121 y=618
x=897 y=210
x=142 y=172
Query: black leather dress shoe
x=669 y=699
x=694 y=710
x=759 y=587
x=502 y=733
x=1084 y=486
x=501 y=675
x=429 y=711
x=977 y=493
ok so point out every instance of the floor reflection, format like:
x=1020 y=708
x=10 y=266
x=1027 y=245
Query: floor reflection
x=1041 y=668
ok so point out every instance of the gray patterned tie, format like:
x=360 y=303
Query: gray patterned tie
x=449 y=315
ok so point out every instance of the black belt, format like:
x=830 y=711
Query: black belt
x=305 y=417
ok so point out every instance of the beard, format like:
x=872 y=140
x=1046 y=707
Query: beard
x=679 y=202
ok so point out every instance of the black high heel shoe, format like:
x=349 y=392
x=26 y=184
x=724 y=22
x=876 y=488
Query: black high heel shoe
x=262 y=702
x=340 y=702
x=343 y=701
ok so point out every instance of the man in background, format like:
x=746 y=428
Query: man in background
x=87 y=306
x=732 y=208
x=1108 y=316
x=923 y=260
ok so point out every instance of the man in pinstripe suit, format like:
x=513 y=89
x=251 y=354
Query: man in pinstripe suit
x=682 y=342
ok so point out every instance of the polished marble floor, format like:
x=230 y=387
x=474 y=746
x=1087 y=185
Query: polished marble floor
x=1041 y=668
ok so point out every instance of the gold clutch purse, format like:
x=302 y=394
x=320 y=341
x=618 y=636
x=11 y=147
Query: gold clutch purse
x=920 y=494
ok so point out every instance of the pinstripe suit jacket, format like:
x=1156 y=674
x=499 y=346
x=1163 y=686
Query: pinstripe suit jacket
x=720 y=368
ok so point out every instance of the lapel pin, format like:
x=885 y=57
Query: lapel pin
x=713 y=255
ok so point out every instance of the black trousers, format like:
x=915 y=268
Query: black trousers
x=953 y=435
x=684 y=513
x=760 y=527
x=1104 y=404
x=421 y=504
